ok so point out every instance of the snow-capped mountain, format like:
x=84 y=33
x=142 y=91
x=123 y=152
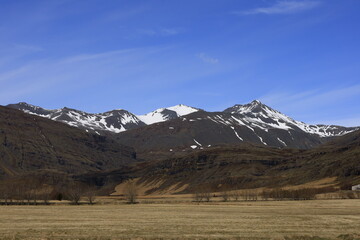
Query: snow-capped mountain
x=250 y=123
x=165 y=114
x=114 y=121
x=181 y=126
x=258 y=115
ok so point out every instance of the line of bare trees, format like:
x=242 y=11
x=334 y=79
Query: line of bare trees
x=225 y=196
x=38 y=191
x=273 y=194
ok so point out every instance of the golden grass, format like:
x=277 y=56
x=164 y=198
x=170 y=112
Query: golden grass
x=178 y=188
x=324 y=182
x=146 y=186
x=236 y=220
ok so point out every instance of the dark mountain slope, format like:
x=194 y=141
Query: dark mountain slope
x=202 y=129
x=251 y=166
x=30 y=143
x=253 y=123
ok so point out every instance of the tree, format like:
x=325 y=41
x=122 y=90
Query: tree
x=75 y=192
x=225 y=196
x=235 y=195
x=197 y=196
x=46 y=195
x=130 y=192
x=90 y=194
x=207 y=195
x=266 y=195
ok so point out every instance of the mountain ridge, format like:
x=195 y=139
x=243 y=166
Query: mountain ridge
x=183 y=126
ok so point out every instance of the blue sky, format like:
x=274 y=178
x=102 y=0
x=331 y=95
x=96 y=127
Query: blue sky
x=299 y=57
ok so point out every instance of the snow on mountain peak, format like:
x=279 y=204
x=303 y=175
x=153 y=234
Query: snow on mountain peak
x=254 y=106
x=165 y=114
x=253 y=115
x=182 y=109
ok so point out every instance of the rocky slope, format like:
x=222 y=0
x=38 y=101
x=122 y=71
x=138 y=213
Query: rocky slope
x=30 y=143
x=248 y=166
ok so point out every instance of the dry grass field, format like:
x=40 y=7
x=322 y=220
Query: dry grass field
x=325 y=219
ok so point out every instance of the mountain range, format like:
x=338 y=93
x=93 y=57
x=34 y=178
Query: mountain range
x=37 y=146
x=180 y=128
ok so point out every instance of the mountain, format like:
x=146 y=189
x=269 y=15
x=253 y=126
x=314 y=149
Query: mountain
x=30 y=143
x=165 y=114
x=113 y=121
x=258 y=115
x=181 y=127
x=252 y=123
x=248 y=166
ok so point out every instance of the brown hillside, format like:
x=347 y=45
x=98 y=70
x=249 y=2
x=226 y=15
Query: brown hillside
x=251 y=166
x=29 y=143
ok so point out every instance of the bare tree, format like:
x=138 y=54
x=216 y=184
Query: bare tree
x=235 y=195
x=28 y=192
x=4 y=195
x=90 y=194
x=45 y=195
x=253 y=195
x=265 y=195
x=130 y=192
x=207 y=195
x=197 y=196
x=225 y=196
x=75 y=192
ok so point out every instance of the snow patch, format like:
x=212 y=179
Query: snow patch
x=282 y=142
x=197 y=142
x=237 y=135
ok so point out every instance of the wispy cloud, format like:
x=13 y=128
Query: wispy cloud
x=317 y=97
x=205 y=58
x=95 y=56
x=160 y=32
x=28 y=48
x=283 y=7
x=142 y=70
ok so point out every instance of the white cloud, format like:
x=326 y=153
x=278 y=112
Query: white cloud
x=207 y=59
x=283 y=7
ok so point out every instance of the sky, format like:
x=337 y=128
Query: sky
x=301 y=57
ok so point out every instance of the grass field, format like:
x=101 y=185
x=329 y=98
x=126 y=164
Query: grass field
x=238 y=220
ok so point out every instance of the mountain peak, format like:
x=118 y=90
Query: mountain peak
x=182 y=109
x=29 y=108
x=254 y=106
x=164 y=114
x=256 y=102
x=24 y=104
